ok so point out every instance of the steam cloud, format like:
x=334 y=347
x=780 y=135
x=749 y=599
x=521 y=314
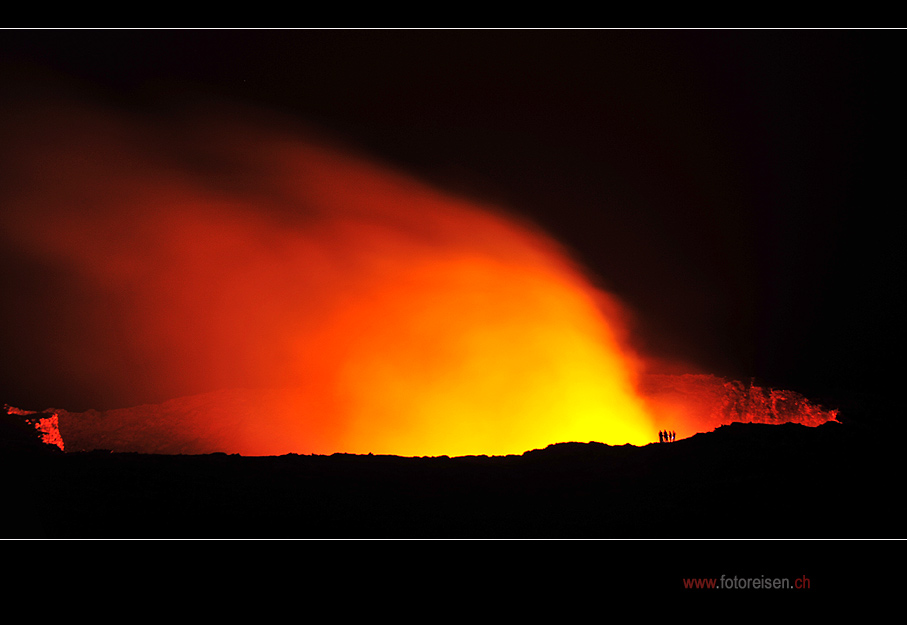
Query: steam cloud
x=178 y=254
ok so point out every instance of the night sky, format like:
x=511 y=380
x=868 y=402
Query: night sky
x=737 y=189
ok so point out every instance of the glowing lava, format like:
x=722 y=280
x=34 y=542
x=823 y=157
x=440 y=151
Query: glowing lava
x=693 y=403
x=366 y=311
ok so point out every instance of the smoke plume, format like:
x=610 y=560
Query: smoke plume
x=176 y=253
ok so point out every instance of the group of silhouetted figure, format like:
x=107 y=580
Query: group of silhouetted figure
x=664 y=436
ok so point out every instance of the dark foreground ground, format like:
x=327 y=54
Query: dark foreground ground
x=740 y=481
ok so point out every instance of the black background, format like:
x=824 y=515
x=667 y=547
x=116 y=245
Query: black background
x=739 y=189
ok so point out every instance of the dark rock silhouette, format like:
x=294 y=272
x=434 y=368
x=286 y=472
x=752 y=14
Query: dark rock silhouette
x=742 y=480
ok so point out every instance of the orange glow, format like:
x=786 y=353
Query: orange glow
x=471 y=356
x=362 y=310
x=249 y=289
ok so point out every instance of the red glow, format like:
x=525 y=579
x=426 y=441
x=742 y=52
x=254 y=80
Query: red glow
x=347 y=307
x=47 y=424
x=364 y=311
x=693 y=403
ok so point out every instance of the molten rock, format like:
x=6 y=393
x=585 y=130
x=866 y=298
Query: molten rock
x=28 y=430
x=689 y=404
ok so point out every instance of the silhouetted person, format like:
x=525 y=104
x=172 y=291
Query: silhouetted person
x=661 y=436
x=673 y=435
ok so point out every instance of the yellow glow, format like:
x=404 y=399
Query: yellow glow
x=470 y=356
x=311 y=300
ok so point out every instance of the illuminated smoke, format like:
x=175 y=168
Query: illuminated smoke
x=354 y=308
x=226 y=281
